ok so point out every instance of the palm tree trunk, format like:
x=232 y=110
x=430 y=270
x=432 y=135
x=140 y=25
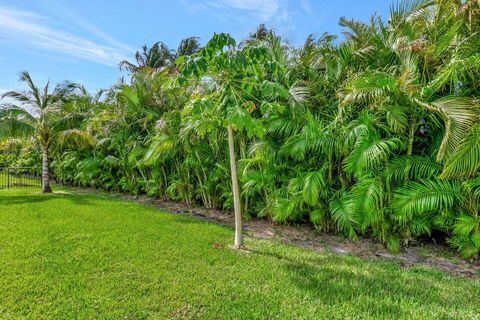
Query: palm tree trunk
x=235 y=190
x=45 y=174
x=412 y=128
x=411 y=137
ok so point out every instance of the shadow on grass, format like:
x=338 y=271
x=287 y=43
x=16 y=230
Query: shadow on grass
x=39 y=198
x=18 y=200
x=376 y=288
x=81 y=200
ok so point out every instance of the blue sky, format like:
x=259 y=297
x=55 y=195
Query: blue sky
x=83 y=41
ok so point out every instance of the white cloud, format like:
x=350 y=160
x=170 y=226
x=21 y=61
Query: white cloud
x=265 y=9
x=62 y=13
x=306 y=6
x=33 y=29
x=246 y=14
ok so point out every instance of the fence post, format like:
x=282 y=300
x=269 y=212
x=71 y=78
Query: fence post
x=8 y=178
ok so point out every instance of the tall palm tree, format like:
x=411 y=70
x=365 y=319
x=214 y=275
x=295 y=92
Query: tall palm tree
x=153 y=58
x=37 y=113
x=160 y=55
x=188 y=46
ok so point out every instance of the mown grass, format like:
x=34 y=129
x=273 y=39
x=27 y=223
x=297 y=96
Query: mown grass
x=95 y=257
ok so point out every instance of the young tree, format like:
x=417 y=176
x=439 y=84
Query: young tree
x=232 y=74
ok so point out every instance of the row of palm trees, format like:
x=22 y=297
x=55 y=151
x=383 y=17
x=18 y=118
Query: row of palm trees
x=376 y=135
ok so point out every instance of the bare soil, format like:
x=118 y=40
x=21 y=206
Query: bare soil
x=306 y=236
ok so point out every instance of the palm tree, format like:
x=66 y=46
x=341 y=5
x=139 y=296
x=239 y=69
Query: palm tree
x=160 y=56
x=153 y=58
x=188 y=46
x=36 y=114
x=377 y=135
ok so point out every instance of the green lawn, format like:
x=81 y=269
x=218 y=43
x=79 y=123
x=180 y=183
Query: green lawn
x=94 y=257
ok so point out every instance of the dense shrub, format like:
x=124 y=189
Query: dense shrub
x=375 y=135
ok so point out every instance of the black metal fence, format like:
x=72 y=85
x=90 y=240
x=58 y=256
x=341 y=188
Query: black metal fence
x=20 y=177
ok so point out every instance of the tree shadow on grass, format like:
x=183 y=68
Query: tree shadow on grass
x=18 y=200
x=31 y=199
x=373 y=289
x=79 y=199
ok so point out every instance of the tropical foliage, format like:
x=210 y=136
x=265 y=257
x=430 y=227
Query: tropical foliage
x=377 y=135
x=38 y=114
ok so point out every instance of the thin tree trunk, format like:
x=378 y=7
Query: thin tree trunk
x=330 y=168
x=411 y=137
x=45 y=174
x=235 y=190
x=243 y=155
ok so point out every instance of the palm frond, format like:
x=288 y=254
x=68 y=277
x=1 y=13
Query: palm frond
x=369 y=154
x=299 y=94
x=367 y=198
x=127 y=65
x=411 y=168
x=397 y=118
x=459 y=116
x=25 y=77
x=368 y=87
x=315 y=184
x=77 y=138
x=465 y=162
x=343 y=215
x=16 y=122
x=417 y=198
x=11 y=127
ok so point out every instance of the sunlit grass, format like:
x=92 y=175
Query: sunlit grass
x=68 y=256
